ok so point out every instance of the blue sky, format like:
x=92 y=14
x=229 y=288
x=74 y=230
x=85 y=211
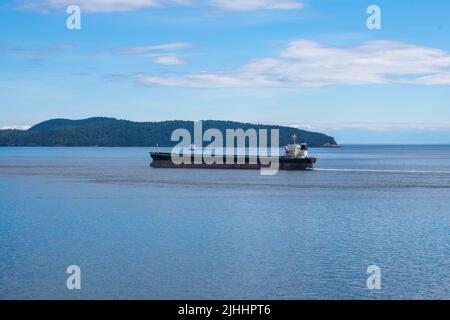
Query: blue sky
x=309 y=63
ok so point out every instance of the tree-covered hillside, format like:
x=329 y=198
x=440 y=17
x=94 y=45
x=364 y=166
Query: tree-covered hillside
x=109 y=132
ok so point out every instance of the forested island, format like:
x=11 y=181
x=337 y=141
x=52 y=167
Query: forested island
x=110 y=132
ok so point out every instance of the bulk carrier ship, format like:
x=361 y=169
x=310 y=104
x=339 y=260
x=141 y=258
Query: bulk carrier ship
x=295 y=158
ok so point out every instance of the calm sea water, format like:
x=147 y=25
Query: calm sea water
x=144 y=233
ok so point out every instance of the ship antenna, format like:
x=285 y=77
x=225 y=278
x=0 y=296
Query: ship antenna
x=294 y=137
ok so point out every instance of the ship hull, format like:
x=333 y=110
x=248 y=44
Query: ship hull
x=164 y=160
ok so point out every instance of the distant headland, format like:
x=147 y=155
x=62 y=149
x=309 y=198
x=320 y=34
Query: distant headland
x=111 y=132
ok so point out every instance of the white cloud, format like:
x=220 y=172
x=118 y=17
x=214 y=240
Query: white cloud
x=199 y=80
x=442 y=78
x=95 y=6
x=245 y=5
x=161 y=47
x=89 y=5
x=39 y=51
x=373 y=126
x=306 y=64
x=15 y=127
x=168 y=60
